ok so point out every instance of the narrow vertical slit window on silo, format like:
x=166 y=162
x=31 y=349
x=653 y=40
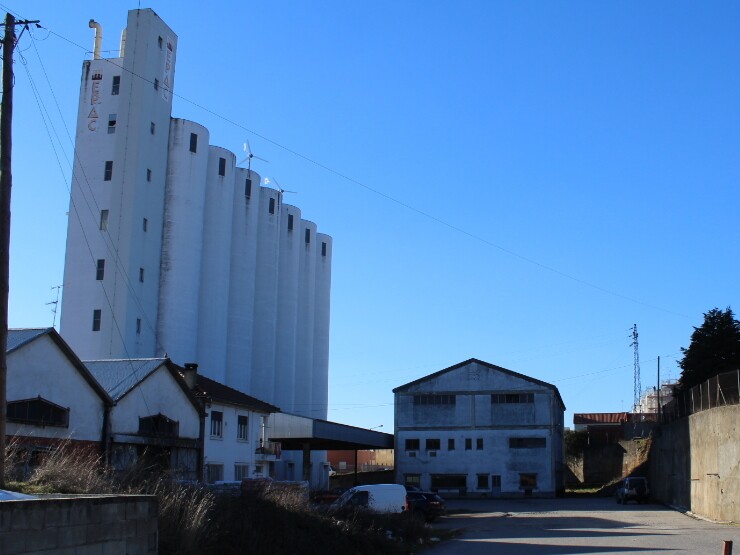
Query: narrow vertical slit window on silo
x=145 y=224
x=272 y=206
x=156 y=84
x=290 y=222
x=248 y=188
x=308 y=236
x=108 y=174
x=97 y=314
x=103 y=220
x=222 y=166
x=100 y=269
x=111 y=123
x=116 y=86
x=141 y=275
x=138 y=326
x=323 y=249
x=152 y=127
x=159 y=42
x=148 y=174
x=193 y=142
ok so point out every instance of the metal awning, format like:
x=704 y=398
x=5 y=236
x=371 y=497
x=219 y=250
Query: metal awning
x=296 y=433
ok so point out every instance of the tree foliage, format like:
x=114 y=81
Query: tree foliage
x=575 y=443
x=714 y=348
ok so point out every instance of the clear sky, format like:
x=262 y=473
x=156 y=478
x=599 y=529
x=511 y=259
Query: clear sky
x=518 y=182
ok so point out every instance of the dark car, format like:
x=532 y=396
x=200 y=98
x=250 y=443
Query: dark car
x=425 y=504
x=633 y=488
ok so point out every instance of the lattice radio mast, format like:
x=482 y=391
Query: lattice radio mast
x=638 y=385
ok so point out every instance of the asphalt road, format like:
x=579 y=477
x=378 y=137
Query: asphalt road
x=577 y=526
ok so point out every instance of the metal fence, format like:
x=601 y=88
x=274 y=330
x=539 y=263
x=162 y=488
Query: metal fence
x=719 y=391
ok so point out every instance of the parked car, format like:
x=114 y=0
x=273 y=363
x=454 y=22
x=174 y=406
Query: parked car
x=425 y=504
x=326 y=497
x=634 y=488
x=381 y=498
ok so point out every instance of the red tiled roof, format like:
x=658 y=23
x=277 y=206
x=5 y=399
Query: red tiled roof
x=601 y=418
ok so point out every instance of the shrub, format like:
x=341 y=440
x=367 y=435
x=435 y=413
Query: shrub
x=193 y=520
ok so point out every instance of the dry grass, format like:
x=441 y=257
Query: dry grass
x=193 y=520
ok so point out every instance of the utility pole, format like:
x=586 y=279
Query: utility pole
x=638 y=385
x=6 y=183
x=659 y=411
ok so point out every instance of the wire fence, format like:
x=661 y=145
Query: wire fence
x=720 y=391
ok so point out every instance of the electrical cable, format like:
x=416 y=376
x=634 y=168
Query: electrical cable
x=390 y=198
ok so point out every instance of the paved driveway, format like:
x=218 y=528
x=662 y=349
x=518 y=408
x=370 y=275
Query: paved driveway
x=577 y=526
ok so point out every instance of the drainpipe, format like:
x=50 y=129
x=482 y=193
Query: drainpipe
x=98 y=38
x=105 y=436
x=201 y=445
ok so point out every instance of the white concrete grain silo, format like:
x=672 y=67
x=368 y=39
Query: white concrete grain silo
x=173 y=249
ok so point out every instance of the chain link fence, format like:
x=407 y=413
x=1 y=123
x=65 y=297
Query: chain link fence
x=719 y=391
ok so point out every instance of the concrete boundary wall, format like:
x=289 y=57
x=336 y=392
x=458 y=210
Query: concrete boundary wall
x=80 y=525
x=695 y=463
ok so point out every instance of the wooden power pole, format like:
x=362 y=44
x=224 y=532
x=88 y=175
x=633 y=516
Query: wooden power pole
x=6 y=183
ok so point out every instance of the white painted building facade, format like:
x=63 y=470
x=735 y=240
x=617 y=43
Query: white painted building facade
x=174 y=250
x=155 y=418
x=51 y=396
x=479 y=429
x=237 y=443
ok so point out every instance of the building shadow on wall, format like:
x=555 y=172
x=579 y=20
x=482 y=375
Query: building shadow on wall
x=670 y=464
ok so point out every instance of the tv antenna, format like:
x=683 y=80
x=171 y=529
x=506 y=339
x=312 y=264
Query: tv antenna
x=55 y=305
x=249 y=156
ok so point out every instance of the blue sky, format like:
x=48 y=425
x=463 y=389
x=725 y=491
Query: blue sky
x=527 y=180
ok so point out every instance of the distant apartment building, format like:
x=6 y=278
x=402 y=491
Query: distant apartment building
x=175 y=251
x=478 y=429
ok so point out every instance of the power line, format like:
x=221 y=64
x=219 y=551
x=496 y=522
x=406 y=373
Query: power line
x=390 y=198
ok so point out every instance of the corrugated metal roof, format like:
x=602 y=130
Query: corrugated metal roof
x=601 y=418
x=119 y=376
x=19 y=337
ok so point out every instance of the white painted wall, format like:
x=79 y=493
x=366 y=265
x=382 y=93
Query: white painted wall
x=40 y=368
x=130 y=197
x=228 y=450
x=158 y=393
x=322 y=305
x=474 y=417
x=182 y=243
x=216 y=265
x=240 y=332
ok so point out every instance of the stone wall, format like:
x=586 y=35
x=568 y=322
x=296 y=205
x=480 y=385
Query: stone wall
x=695 y=463
x=80 y=525
x=601 y=464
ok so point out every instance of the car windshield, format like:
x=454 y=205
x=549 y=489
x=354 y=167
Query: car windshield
x=344 y=497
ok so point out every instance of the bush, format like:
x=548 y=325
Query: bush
x=194 y=520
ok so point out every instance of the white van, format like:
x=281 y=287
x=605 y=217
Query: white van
x=381 y=498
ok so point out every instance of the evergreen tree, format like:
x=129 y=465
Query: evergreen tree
x=714 y=348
